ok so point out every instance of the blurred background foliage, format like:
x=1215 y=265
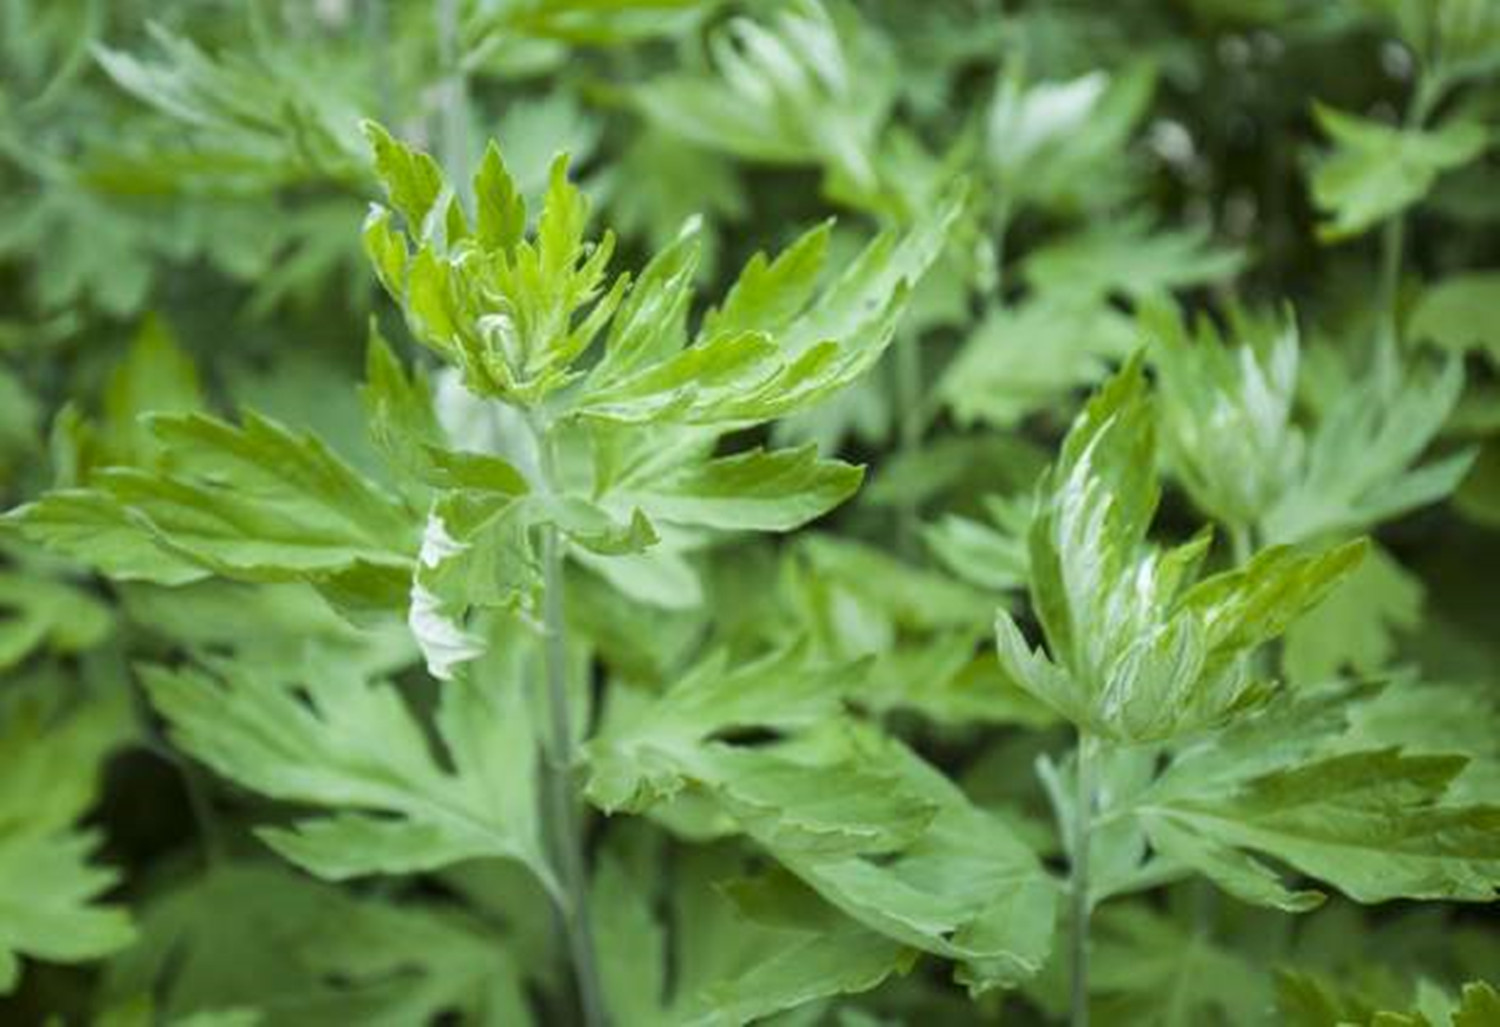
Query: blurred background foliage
x=181 y=191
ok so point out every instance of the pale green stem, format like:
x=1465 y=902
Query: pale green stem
x=378 y=33
x=1241 y=543
x=914 y=406
x=1429 y=91
x=454 y=110
x=1392 y=243
x=1078 y=876
x=567 y=831
x=559 y=782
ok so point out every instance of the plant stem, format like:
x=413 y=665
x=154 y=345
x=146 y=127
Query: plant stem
x=378 y=33
x=1241 y=543
x=1425 y=98
x=567 y=831
x=1392 y=242
x=559 y=784
x=1078 y=876
x=454 y=111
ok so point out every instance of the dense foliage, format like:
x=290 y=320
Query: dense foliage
x=656 y=512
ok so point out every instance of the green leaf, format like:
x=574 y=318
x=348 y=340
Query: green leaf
x=1371 y=823
x=240 y=120
x=1237 y=873
x=780 y=357
x=1356 y=626
x=39 y=613
x=19 y=423
x=398 y=411
x=1432 y=718
x=156 y=376
x=1138 y=653
x=49 y=888
x=1125 y=256
x=1062 y=145
x=1029 y=357
x=49 y=905
x=92 y=527
x=802 y=88
x=958 y=885
x=909 y=595
x=794 y=950
x=1150 y=968
x=744 y=948
x=210 y=616
x=752 y=490
x=256 y=502
x=515 y=315
x=501 y=210
x=1374 y=171
x=769 y=294
x=868 y=293
x=211 y=942
x=1358 y=471
x=411 y=178
x=989 y=554
x=1226 y=410
x=354 y=749
x=967 y=890
x=1456 y=39
x=1481 y=1007
x=644 y=750
x=1459 y=313
x=511 y=313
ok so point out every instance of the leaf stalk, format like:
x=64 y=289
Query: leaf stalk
x=1078 y=876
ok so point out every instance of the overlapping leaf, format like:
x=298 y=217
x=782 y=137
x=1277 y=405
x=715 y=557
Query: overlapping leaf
x=1138 y=651
x=50 y=890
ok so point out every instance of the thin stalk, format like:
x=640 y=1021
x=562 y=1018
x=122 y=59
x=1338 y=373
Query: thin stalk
x=378 y=32
x=566 y=829
x=454 y=110
x=559 y=784
x=1078 y=876
x=1241 y=543
x=1392 y=244
x=1425 y=98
